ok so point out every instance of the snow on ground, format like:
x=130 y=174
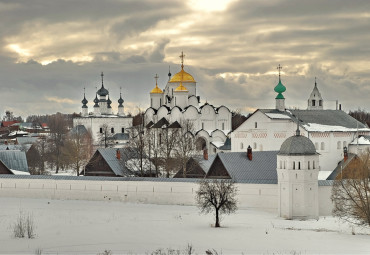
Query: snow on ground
x=90 y=227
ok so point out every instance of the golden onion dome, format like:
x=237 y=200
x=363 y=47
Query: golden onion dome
x=182 y=76
x=156 y=90
x=181 y=88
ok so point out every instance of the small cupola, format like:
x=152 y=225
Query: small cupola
x=315 y=101
x=280 y=89
x=102 y=91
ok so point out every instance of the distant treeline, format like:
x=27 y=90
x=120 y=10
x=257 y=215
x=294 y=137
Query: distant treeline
x=361 y=115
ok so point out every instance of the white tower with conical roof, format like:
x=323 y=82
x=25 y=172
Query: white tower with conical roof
x=298 y=169
x=315 y=102
x=156 y=95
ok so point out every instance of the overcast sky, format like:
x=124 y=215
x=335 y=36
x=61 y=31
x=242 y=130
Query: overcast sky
x=51 y=49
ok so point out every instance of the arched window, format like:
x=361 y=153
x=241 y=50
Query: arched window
x=320 y=102
x=322 y=146
x=299 y=165
x=313 y=102
x=308 y=164
x=255 y=124
x=344 y=144
x=293 y=165
x=202 y=125
x=223 y=126
x=281 y=164
x=112 y=130
x=313 y=164
x=254 y=146
x=241 y=146
x=339 y=145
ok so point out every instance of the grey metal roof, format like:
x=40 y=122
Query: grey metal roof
x=341 y=165
x=14 y=160
x=79 y=129
x=297 y=145
x=205 y=164
x=323 y=117
x=26 y=140
x=15 y=147
x=118 y=165
x=227 y=145
x=121 y=136
x=262 y=167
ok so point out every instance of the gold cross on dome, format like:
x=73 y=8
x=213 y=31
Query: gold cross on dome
x=156 y=78
x=182 y=56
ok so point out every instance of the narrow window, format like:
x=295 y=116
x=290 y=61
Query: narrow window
x=151 y=102
x=223 y=126
x=241 y=145
x=112 y=130
x=299 y=165
x=101 y=130
x=293 y=165
x=160 y=138
x=255 y=124
x=123 y=130
x=344 y=144
x=339 y=145
x=202 y=125
x=296 y=176
x=320 y=102
x=313 y=164
x=281 y=164
x=322 y=146
x=160 y=101
x=308 y=165
x=313 y=102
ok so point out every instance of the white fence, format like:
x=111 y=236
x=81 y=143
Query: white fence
x=262 y=196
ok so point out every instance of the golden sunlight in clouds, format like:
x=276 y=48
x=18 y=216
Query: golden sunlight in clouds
x=60 y=100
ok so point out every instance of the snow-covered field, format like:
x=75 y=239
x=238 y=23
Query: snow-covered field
x=90 y=227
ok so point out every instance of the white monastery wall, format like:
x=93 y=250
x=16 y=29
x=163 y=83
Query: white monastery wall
x=261 y=196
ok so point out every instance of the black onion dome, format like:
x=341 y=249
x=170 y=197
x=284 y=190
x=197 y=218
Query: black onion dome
x=103 y=91
x=297 y=145
x=96 y=101
x=84 y=101
x=120 y=100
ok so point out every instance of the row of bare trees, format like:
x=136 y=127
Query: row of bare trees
x=60 y=149
x=168 y=148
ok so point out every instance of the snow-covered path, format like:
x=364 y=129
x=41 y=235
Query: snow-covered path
x=90 y=227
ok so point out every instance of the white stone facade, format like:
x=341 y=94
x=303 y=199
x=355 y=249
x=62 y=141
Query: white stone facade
x=115 y=124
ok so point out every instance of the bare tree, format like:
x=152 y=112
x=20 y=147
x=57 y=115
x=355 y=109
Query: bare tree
x=58 y=128
x=77 y=149
x=351 y=191
x=218 y=196
x=138 y=142
x=185 y=144
x=105 y=136
x=167 y=139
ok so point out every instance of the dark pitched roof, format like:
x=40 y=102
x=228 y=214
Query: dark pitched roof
x=15 y=147
x=150 y=124
x=261 y=169
x=199 y=162
x=14 y=160
x=174 y=125
x=162 y=122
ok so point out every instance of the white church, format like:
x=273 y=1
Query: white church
x=103 y=114
x=329 y=130
x=179 y=101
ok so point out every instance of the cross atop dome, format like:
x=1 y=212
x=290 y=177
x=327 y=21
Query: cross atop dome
x=279 y=67
x=182 y=56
